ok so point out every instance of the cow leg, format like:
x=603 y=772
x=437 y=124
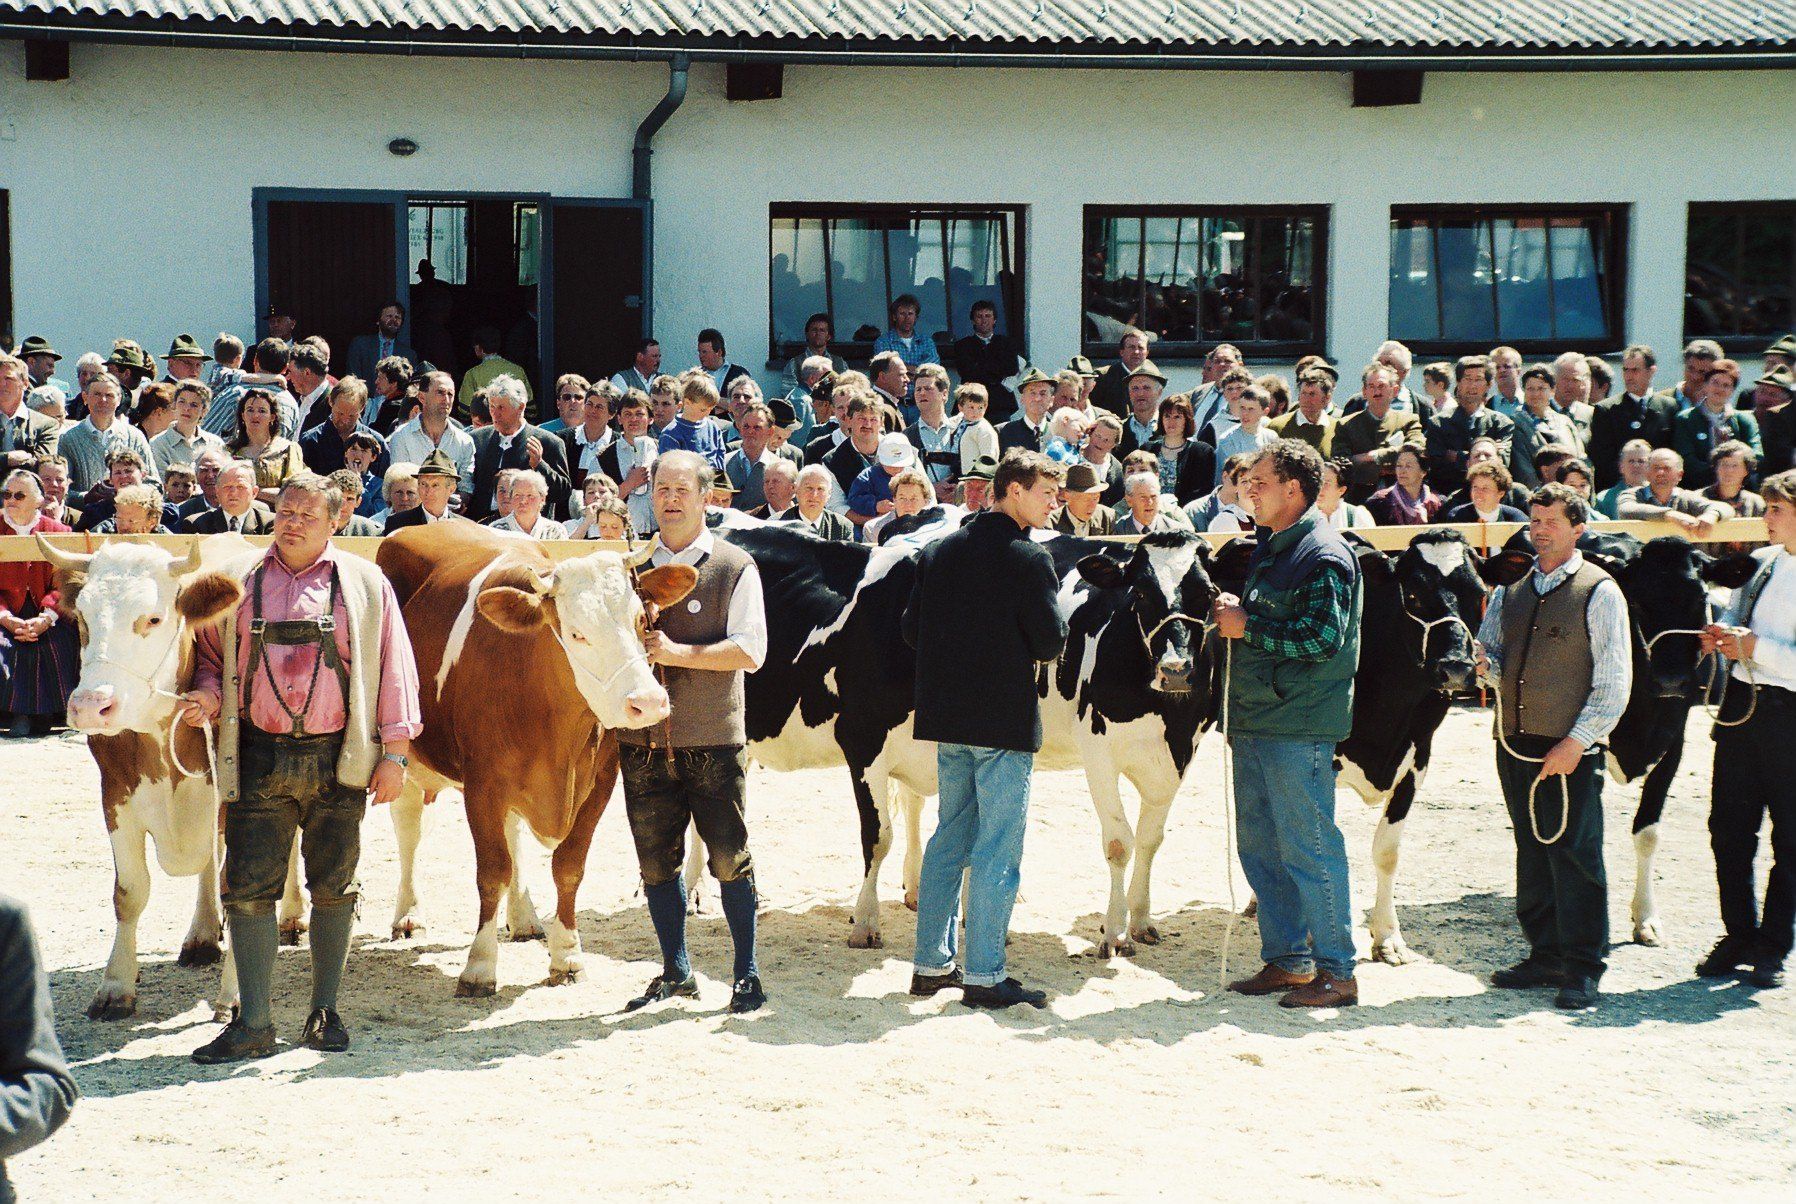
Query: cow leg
x=1118 y=840
x=569 y=867
x=520 y=909
x=913 y=835
x=872 y=796
x=1644 y=910
x=1387 y=939
x=117 y=996
x=693 y=875
x=1157 y=791
x=408 y=829
x=292 y=908
x=493 y=871
x=201 y=947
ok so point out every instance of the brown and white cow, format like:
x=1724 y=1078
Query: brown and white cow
x=138 y=608
x=524 y=665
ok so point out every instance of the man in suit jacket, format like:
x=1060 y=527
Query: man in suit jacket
x=988 y=358
x=237 y=509
x=510 y=442
x=367 y=350
x=1634 y=413
x=25 y=434
x=437 y=478
x=813 y=493
x=1082 y=511
x=1029 y=429
x=1112 y=390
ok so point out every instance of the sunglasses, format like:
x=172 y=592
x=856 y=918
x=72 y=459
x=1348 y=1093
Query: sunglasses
x=16 y=496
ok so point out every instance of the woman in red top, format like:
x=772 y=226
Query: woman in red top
x=40 y=654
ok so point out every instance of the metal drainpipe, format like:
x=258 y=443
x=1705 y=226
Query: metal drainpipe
x=641 y=188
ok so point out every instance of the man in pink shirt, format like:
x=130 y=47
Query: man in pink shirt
x=315 y=690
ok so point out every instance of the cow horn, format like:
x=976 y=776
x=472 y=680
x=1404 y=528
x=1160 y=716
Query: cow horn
x=635 y=558
x=68 y=562
x=180 y=566
x=543 y=583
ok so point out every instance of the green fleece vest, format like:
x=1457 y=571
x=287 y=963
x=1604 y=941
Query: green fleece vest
x=1278 y=697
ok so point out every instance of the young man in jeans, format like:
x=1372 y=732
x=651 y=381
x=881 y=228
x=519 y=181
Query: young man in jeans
x=981 y=616
x=1295 y=648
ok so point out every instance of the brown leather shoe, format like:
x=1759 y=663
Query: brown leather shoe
x=1270 y=981
x=1326 y=992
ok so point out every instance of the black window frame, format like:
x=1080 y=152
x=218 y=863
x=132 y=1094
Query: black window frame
x=1165 y=351
x=1613 y=291
x=8 y=335
x=780 y=353
x=1735 y=342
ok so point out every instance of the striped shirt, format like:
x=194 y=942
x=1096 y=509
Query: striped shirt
x=1611 y=650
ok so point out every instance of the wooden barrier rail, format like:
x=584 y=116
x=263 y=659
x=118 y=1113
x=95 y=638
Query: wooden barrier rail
x=1483 y=536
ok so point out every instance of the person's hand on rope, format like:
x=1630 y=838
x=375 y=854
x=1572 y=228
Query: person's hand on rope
x=1735 y=643
x=1230 y=619
x=1563 y=759
x=198 y=708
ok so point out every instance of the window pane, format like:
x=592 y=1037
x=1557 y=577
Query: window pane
x=1767 y=252
x=976 y=267
x=1711 y=274
x=1112 y=277
x=1415 y=295
x=526 y=243
x=1462 y=259
x=439 y=233
x=1577 y=280
x=1171 y=275
x=1287 y=290
x=914 y=253
x=857 y=272
x=1519 y=270
x=798 y=286
x=1228 y=303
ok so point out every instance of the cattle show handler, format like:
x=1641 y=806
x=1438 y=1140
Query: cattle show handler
x=315 y=689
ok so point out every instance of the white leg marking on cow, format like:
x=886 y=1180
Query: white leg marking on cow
x=1387 y=939
x=292 y=908
x=117 y=994
x=464 y=623
x=408 y=830
x=693 y=872
x=565 y=965
x=481 y=975
x=205 y=936
x=520 y=911
x=912 y=802
x=1645 y=908
x=865 y=933
x=1157 y=782
x=1117 y=840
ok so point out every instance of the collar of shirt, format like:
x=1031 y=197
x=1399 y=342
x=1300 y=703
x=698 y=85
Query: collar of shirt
x=1546 y=583
x=599 y=444
x=315 y=394
x=327 y=560
x=691 y=554
x=17 y=529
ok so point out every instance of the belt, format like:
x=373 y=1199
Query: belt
x=256 y=735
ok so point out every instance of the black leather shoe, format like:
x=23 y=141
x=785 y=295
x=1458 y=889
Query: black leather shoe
x=1577 y=994
x=325 y=1032
x=1767 y=973
x=1006 y=994
x=747 y=995
x=1528 y=973
x=237 y=1043
x=925 y=985
x=1728 y=955
x=665 y=988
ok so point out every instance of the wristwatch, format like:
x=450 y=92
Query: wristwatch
x=399 y=759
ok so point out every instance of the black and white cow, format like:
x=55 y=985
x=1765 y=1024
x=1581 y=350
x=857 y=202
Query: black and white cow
x=1666 y=582
x=1420 y=612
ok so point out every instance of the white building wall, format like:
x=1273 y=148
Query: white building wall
x=131 y=182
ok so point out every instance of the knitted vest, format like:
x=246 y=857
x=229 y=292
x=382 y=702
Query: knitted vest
x=707 y=705
x=1547 y=641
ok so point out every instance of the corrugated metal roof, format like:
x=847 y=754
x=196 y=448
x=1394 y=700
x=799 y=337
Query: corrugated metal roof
x=1422 y=25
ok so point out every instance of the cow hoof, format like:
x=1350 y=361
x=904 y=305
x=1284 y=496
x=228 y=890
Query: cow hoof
x=112 y=1003
x=224 y=1013
x=865 y=938
x=533 y=932
x=291 y=931
x=408 y=928
x=694 y=904
x=1392 y=951
x=1147 y=935
x=200 y=953
x=567 y=977
x=470 y=988
x=1120 y=946
x=1251 y=910
x=1646 y=932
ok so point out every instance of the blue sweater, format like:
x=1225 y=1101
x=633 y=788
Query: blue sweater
x=706 y=438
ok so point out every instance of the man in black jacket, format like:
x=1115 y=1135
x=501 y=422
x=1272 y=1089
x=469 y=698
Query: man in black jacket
x=982 y=615
x=988 y=358
x=510 y=442
x=36 y=1091
x=1634 y=413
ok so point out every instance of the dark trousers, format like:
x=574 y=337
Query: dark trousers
x=1561 y=891
x=290 y=785
x=703 y=787
x=1755 y=773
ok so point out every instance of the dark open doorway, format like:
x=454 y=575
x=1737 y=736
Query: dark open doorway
x=564 y=281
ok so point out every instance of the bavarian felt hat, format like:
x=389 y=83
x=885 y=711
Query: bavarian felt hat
x=1083 y=367
x=37 y=344
x=128 y=355
x=185 y=348
x=1033 y=376
x=1780 y=377
x=1148 y=370
x=438 y=464
x=984 y=469
x=1783 y=346
x=1083 y=478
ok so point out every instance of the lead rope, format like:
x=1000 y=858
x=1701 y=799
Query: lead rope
x=1228 y=808
x=1534 y=788
x=1716 y=669
x=174 y=723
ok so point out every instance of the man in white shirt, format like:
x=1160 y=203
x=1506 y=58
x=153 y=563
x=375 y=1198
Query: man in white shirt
x=185 y=439
x=931 y=434
x=434 y=430
x=645 y=365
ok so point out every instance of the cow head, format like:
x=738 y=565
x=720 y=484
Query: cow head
x=136 y=616
x=590 y=607
x=1167 y=577
x=1435 y=588
x=1667 y=587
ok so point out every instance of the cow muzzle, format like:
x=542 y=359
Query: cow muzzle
x=646 y=707
x=94 y=711
x=1172 y=674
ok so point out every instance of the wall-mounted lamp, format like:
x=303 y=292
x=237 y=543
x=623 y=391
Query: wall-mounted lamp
x=403 y=147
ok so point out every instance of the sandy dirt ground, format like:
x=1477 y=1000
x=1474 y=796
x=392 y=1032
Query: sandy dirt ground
x=1141 y=1080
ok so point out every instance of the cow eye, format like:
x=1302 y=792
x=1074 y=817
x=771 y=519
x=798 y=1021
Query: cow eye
x=155 y=620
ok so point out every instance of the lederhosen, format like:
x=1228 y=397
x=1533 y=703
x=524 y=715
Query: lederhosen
x=289 y=781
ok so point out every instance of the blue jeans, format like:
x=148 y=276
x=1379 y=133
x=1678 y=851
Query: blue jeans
x=984 y=809
x=1293 y=854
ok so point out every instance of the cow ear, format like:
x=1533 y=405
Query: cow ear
x=208 y=598
x=1102 y=572
x=1376 y=567
x=666 y=585
x=512 y=610
x=1730 y=572
x=1505 y=568
x=68 y=588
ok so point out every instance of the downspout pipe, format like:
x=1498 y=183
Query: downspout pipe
x=641 y=187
